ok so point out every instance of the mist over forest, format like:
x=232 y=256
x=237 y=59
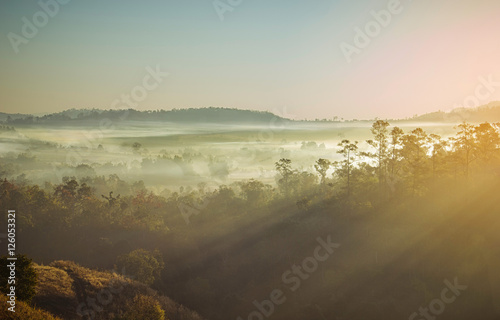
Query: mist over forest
x=228 y=214
x=165 y=150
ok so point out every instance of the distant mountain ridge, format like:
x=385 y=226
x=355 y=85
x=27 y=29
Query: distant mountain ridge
x=201 y=115
x=489 y=112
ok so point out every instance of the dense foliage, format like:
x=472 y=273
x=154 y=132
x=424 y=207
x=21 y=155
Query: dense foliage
x=414 y=210
x=25 y=279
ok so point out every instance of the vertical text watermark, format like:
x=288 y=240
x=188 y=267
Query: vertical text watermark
x=11 y=259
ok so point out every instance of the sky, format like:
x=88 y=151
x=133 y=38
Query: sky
x=300 y=59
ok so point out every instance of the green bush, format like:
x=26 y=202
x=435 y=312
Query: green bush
x=144 y=307
x=25 y=277
x=143 y=265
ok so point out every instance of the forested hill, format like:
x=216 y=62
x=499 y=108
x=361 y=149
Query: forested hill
x=201 y=115
x=489 y=112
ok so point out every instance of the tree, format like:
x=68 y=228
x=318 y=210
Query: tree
x=136 y=146
x=142 y=264
x=350 y=153
x=284 y=168
x=111 y=199
x=438 y=153
x=465 y=145
x=144 y=307
x=380 y=144
x=487 y=141
x=414 y=152
x=322 y=166
x=395 y=151
x=26 y=277
x=303 y=183
x=253 y=191
x=67 y=192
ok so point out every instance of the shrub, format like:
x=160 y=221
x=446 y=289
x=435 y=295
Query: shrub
x=25 y=277
x=144 y=307
x=145 y=266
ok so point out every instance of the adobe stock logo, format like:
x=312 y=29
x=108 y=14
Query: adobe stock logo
x=293 y=279
x=482 y=92
x=31 y=27
x=363 y=37
x=91 y=138
x=221 y=7
x=437 y=306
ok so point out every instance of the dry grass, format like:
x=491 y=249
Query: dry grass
x=53 y=281
x=64 y=285
x=23 y=312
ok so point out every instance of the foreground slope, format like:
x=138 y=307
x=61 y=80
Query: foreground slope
x=23 y=312
x=74 y=292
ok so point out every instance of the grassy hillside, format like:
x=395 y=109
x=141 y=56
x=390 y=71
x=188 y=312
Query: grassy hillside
x=23 y=312
x=74 y=292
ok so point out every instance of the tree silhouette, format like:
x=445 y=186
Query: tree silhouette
x=322 y=166
x=350 y=153
x=465 y=146
x=487 y=141
x=395 y=149
x=111 y=200
x=381 y=145
x=414 y=152
x=284 y=168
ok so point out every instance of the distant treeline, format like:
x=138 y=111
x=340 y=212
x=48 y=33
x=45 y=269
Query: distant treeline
x=204 y=115
x=489 y=112
x=6 y=128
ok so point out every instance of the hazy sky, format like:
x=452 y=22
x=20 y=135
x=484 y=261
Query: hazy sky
x=282 y=55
